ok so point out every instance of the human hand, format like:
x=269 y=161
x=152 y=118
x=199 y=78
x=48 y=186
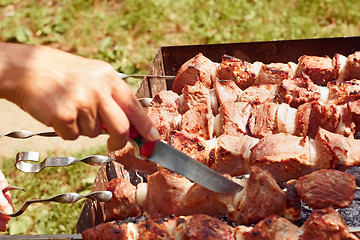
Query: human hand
x=5 y=204
x=72 y=94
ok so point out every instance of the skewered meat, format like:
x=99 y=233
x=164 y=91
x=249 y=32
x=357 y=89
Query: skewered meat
x=193 y=96
x=165 y=120
x=237 y=70
x=310 y=116
x=273 y=228
x=287 y=156
x=274 y=73
x=166 y=99
x=196 y=147
x=342 y=92
x=234 y=118
x=227 y=91
x=232 y=154
x=260 y=93
x=351 y=68
x=297 y=91
x=347 y=150
x=263 y=120
x=198 y=120
x=198 y=69
x=319 y=69
x=325 y=224
x=327 y=188
x=169 y=193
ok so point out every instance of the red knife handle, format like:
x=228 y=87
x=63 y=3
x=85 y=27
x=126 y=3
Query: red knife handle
x=145 y=148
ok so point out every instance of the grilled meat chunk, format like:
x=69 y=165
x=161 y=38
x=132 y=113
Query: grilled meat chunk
x=319 y=69
x=234 y=118
x=194 y=146
x=123 y=203
x=237 y=70
x=273 y=73
x=310 y=116
x=166 y=99
x=351 y=68
x=273 y=228
x=198 y=120
x=297 y=91
x=287 y=156
x=165 y=120
x=261 y=197
x=232 y=154
x=342 y=92
x=193 y=96
x=165 y=194
x=168 y=193
x=260 y=93
x=227 y=91
x=345 y=149
x=263 y=120
x=327 y=188
x=326 y=224
x=198 y=69
x=127 y=157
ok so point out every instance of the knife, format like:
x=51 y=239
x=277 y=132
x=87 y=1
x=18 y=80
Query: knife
x=177 y=161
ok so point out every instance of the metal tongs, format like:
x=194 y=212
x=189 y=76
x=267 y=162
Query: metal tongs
x=100 y=196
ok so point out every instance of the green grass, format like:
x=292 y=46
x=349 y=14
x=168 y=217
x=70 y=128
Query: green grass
x=54 y=218
x=128 y=34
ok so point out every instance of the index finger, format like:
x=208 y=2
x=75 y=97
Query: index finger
x=134 y=111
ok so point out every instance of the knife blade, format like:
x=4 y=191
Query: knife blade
x=174 y=160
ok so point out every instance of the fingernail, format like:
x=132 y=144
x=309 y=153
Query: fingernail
x=154 y=134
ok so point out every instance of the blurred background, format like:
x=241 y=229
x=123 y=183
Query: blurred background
x=128 y=35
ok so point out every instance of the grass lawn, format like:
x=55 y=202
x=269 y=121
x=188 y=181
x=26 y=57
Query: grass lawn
x=128 y=34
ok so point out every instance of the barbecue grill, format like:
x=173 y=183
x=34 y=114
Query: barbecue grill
x=170 y=58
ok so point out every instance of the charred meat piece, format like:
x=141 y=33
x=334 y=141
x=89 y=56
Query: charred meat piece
x=288 y=157
x=327 y=188
x=227 y=91
x=351 y=68
x=263 y=119
x=261 y=197
x=297 y=91
x=127 y=157
x=165 y=194
x=273 y=228
x=310 y=116
x=194 y=146
x=237 y=70
x=342 y=92
x=165 y=121
x=198 y=120
x=194 y=227
x=319 y=69
x=345 y=149
x=197 y=69
x=338 y=63
x=166 y=99
x=293 y=202
x=260 y=93
x=168 y=193
x=123 y=203
x=234 y=118
x=326 y=224
x=193 y=96
x=274 y=73
x=232 y=154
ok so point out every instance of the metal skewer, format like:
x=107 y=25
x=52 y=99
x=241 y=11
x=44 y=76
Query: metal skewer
x=100 y=196
x=22 y=165
x=124 y=76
